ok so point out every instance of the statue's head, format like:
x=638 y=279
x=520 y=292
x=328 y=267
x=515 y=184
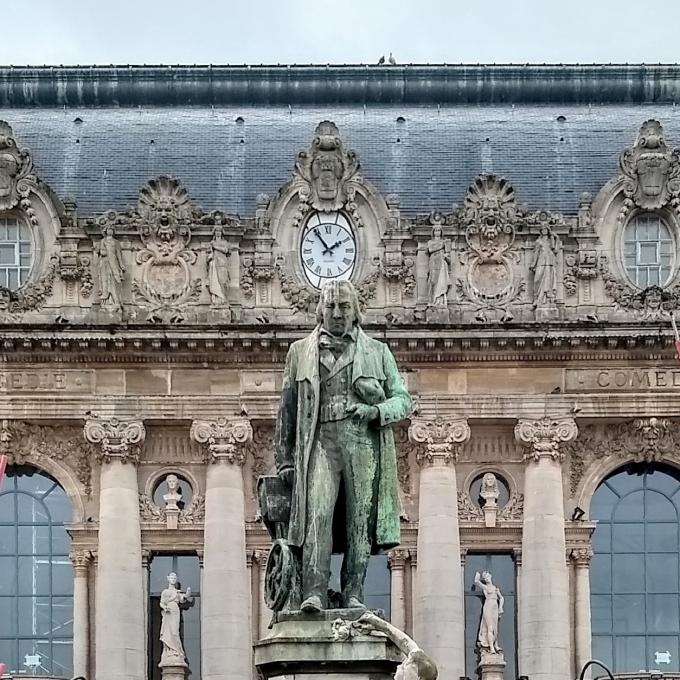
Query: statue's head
x=416 y=666
x=172 y=481
x=486 y=577
x=338 y=309
x=172 y=579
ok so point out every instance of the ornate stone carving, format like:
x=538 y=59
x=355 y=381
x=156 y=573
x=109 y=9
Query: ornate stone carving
x=111 y=268
x=117 y=439
x=640 y=440
x=488 y=216
x=74 y=267
x=327 y=172
x=14 y=303
x=513 y=509
x=650 y=304
x=193 y=513
x=651 y=172
x=466 y=508
x=224 y=438
x=261 y=452
x=26 y=443
x=543 y=437
x=396 y=268
x=149 y=511
x=396 y=558
x=15 y=166
x=581 y=557
x=583 y=265
x=165 y=285
x=441 y=438
x=81 y=560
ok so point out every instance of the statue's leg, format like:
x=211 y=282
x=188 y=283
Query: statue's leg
x=323 y=483
x=359 y=475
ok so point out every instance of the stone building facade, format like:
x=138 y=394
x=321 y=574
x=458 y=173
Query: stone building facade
x=513 y=233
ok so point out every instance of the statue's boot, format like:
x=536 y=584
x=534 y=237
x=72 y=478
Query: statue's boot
x=355 y=603
x=312 y=604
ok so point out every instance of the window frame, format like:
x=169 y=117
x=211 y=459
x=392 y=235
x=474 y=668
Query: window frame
x=23 y=272
x=633 y=273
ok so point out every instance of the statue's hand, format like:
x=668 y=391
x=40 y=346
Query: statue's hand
x=188 y=592
x=287 y=476
x=366 y=623
x=363 y=413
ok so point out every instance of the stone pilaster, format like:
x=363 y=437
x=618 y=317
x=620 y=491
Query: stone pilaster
x=544 y=604
x=120 y=635
x=397 y=561
x=81 y=560
x=225 y=601
x=439 y=608
x=264 y=613
x=582 y=631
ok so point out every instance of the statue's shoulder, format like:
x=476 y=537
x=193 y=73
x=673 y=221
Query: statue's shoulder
x=372 y=344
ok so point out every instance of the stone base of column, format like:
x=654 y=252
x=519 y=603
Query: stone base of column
x=173 y=670
x=491 y=666
x=302 y=646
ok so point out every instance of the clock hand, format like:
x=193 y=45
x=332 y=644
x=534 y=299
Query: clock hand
x=325 y=245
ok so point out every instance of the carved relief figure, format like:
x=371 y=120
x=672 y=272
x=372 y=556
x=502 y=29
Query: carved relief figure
x=218 y=268
x=326 y=167
x=14 y=166
x=544 y=268
x=651 y=169
x=174 y=496
x=492 y=609
x=438 y=278
x=171 y=600
x=489 y=491
x=346 y=439
x=111 y=268
x=417 y=665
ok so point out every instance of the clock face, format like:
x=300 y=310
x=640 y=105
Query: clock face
x=328 y=250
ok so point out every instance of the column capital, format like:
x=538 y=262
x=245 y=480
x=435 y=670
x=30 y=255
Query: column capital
x=581 y=556
x=118 y=439
x=397 y=557
x=81 y=560
x=223 y=438
x=543 y=437
x=442 y=439
x=413 y=556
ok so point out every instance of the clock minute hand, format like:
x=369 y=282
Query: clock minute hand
x=325 y=245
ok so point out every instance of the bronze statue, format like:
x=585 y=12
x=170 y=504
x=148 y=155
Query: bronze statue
x=337 y=486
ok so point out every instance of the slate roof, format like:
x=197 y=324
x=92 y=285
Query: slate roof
x=427 y=153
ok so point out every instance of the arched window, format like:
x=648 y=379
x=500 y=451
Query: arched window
x=16 y=253
x=36 y=576
x=635 y=573
x=648 y=251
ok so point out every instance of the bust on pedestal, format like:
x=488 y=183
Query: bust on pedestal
x=341 y=393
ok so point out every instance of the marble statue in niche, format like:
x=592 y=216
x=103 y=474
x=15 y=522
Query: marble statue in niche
x=492 y=609
x=171 y=601
x=489 y=491
x=173 y=499
x=438 y=277
x=218 y=268
x=111 y=268
x=544 y=268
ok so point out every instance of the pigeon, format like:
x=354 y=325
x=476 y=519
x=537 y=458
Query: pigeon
x=392 y=60
x=381 y=61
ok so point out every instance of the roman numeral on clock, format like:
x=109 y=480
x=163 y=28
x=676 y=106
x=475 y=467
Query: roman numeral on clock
x=310 y=261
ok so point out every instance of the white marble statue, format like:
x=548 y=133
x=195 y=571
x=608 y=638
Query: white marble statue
x=171 y=599
x=438 y=277
x=174 y=495
x=489 y=490
x=111 y=268
x=218 y=268
x=544 y=268
x=487 y=638
x=417 y=665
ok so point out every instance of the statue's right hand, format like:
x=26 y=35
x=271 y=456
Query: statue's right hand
x=287 y=476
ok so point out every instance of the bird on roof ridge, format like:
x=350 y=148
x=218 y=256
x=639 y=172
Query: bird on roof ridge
x=381 y=61
x=392 y=60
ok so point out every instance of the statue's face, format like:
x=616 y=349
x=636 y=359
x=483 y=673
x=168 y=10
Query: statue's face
x=437 y=232
x=172 y=482
x=338 y=310
x=486 y=577
x=172 y=579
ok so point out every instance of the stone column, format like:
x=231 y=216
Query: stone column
x=146 y=558
x=582 y=632
x=226 y=645
x=119 y=614
x=413 y=559
x=544 y=605
x=264 y=613
x=439 y=619
x=397 y=561
x=81 y=612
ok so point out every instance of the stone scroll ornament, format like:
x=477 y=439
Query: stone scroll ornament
x=651 y=172
x=327 y=175
x=15 y=166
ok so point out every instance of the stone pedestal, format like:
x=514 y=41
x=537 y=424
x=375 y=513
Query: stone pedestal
x=491 y=666
x=173 y=670
x=304 y=646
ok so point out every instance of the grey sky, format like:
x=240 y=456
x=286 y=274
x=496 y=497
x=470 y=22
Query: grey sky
x=337 y=31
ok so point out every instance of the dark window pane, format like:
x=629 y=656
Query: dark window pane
x=600 y=574
x=34 y=575
x=629 y=653
x=34 y=540
x=662 y=537
x=58 y=505
x=35 y=616
x=9 y=654
x=631 y=507
x=627 y=574
x=662 y=573
x=8 y=576
x=8 y=619
x=603 y=503
x=663 y=615
x=629 y=537
x=659 y=507
x=8 y=540
x=161 y=566
x=7 y=507
x=602 y=650
x=62 y=617
x=31 y=511
x=61 y=542
x=62 y=576
x=601 y=613
x=602 y=538
x=629 y=614
x=62 y=656
x=663 y=482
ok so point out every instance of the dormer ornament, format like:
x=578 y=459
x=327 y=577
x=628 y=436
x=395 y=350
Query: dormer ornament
x=327 y=175
x=15 y=165
x=651 y=172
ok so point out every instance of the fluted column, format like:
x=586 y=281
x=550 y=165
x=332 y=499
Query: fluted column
x=119 y=615
x=582 y=631
x=225 y=601
x=397 y=561
x=439 y=618
x=81 y=612
x=544 y=605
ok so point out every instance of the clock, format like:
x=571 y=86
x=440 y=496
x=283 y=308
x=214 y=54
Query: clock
x=328 y=248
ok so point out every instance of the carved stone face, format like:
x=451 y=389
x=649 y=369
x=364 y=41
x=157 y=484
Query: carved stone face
x=172 y=579
x=173 y=482
x=9 y=169
x=436 y=231
x=327 y=172
x=489 y=480
x=165 y=218
x=653 y=299
x=489 y=216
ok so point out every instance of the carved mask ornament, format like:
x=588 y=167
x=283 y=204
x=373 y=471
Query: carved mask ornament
x=15 y=164
x=326 y=167
x=652 y=170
